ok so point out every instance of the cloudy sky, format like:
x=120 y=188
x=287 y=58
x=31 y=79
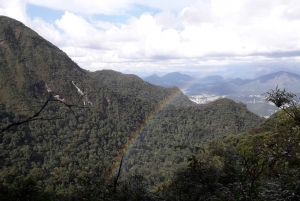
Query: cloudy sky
x=167 y=35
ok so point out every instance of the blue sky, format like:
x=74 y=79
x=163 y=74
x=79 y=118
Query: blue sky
x=50 y=15
x=47 y=14
x=206 y=36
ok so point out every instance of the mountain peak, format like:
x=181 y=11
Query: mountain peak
x=153 y=75
x=168 y=80
x=277 y=75
x=29 y=63
x=176 y=76
x=212 y=78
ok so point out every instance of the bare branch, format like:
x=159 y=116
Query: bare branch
x=36 y=117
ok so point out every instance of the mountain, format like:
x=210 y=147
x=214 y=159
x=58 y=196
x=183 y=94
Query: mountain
x=249 y=71
x=239 y=81
x=277 y=75
x=91 y=120
x=170 y=79
x=214 y=84
x=134 y=86
x=282 y=79
x=176 y=76
x=257 y=86
x=219 y=86
x=248 y=91
x=153 y=79
x=212 y=79
x=28 y=62
x=154 y=152
x=247 y=166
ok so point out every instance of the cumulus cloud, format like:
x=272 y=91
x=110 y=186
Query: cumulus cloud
x=79 y=32
x=196 y=14
x=15 y=9
x=180 y=34
x=48 y=31
x=292 y=11
x=167 y=19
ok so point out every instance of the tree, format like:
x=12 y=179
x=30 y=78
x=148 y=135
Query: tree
x=284 y=100
x=281 y=98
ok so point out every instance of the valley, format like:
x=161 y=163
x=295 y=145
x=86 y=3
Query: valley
x=248 y=91
x=73 y=134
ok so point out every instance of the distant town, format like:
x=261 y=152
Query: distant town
x=255 y=103
x=205 y=98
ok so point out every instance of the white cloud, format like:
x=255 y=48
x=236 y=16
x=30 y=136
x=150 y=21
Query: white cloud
x=48 y=31
x=196 y=14
x=79 y=32
x=14 y=8
x=167 y=19
x=183 y=34
x=17 y=9
x=292 y=12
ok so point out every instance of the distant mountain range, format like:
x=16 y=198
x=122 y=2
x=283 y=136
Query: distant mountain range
x=250 y=71
x=220 y=86
x=170 y=79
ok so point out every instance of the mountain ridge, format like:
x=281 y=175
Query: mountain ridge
x=30 y=62
x=266 y=78
x=219 y=86
x=218 y=78
x=80 y=144
x=171 y=79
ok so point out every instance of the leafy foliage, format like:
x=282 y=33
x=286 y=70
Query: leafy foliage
x=154 y=152
x=260 y=165
x=280 y=98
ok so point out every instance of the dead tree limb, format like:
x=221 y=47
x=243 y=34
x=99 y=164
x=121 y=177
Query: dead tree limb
x=36 y=116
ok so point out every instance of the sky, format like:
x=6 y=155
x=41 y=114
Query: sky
x=167 y=35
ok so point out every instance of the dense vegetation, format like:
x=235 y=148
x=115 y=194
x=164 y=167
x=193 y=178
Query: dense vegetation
x=262 y=164
x=157 y=150
x=179 y=150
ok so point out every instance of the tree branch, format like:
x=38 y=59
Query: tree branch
x=36 y=117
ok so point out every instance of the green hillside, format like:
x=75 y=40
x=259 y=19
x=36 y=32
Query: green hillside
x=154 y=152
x=28 y=61
x=262 y=164
x=70 y=152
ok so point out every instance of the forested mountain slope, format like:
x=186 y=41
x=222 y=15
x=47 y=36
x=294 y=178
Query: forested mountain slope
x=154 y=153
x=28 y=62
x=136 y=87
x=91 y=116
x=259 y=165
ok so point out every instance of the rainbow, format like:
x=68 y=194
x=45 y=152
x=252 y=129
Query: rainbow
x=143 y=125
